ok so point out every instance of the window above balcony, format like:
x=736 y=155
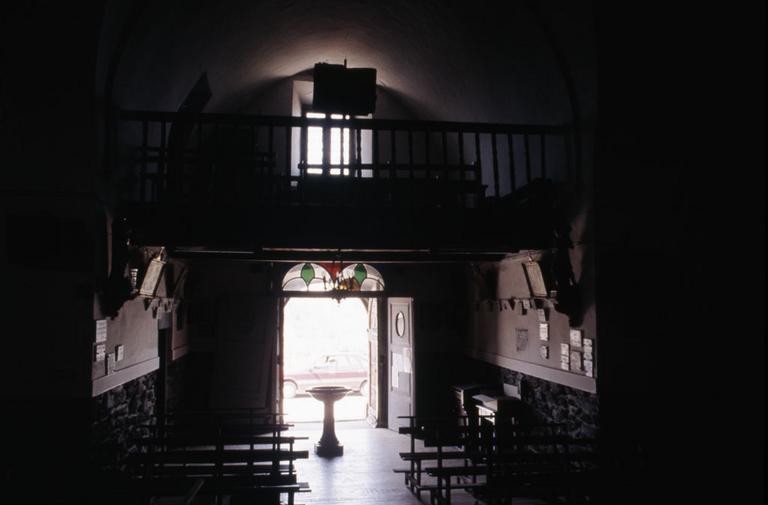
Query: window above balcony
x=339 y=150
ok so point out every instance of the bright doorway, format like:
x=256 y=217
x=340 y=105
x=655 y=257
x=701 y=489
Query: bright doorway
x=325 y=342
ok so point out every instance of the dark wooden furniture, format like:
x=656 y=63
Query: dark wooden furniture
x=497 y=460
x=248 y=457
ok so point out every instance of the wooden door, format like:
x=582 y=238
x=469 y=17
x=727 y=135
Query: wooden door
x=372 y=409
x=400 y=369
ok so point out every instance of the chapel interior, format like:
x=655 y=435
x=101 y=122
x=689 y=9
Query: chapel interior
x=552 y=214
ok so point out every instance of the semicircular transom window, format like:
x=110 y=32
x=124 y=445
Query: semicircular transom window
x=332 y=277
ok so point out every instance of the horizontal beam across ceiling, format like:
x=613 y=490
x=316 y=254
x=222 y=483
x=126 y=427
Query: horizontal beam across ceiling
x=370 y=256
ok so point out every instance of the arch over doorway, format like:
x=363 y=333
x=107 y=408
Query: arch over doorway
x=307 y=284
x=329 y=277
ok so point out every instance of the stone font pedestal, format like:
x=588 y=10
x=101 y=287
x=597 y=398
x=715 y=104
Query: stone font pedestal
x=329 y=445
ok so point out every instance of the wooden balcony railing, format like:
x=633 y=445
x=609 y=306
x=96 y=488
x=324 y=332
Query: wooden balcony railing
x=263 y=160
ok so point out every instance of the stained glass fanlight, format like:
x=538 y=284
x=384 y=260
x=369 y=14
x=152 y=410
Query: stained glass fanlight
x=362 y=277
x=307 y=277
x=333 y=277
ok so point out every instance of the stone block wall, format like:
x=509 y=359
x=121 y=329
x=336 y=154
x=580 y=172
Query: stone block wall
x=556 y=403
x=118 y=415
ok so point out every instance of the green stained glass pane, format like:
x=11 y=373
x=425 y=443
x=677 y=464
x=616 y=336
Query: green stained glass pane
x=360 y=273
x=307 y=273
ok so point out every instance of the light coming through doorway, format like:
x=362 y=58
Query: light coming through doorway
x=325 y=342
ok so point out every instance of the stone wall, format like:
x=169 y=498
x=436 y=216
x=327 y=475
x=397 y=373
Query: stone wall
x=118 y=414
x=548 y=402
x=555 y=403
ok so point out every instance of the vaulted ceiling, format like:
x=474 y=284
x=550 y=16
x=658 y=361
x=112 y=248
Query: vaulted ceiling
x=450 y=60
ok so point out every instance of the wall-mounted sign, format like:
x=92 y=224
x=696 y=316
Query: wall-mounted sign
x=99 y=352
x=575 y=338
x=544 y=332
x=111 y=362
x=575 y=361
x=151 y=277
x=522 y=339
x=535 y=279
x=101 y=330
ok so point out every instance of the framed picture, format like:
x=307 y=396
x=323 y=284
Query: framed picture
x=521 y=340
x=544 y=332
x=535 y=278
x=575 y=361
x=575 y=338
x=151 y=278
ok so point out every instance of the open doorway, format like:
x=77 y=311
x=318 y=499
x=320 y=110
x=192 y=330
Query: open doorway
x=329 y=336
x=325 y=343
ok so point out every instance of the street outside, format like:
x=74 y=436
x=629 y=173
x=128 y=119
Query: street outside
x=304 y=408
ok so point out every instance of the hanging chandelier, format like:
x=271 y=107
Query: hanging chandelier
x=338 y=281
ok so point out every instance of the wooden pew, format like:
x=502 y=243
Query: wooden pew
x=438 y=433
x=537 y=461
x=512 y=460
x=239 y=454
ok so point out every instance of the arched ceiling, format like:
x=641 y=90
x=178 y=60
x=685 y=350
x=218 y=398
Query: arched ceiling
x=449 y=60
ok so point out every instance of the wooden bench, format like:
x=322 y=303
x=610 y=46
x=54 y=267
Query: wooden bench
x=238 y=491
x=539 y=467
x=247 y=457
x=434 y=432
x=185 y=499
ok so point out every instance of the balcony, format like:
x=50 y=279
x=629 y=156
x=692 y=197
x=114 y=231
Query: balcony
x=246 y=185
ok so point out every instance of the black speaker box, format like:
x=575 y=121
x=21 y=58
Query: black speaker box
x=342 y=90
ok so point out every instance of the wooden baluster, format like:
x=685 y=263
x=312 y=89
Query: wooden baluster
x=512 y=173
x=527 y=146
x=253 y=157
x=359 y=152
x=411 y=169
x=272 y=159
x=568 y=137
x=478 y=163
x=286 y=186
x=375 y=134
x=161 y=175
x=393 y=154
x=215 y=154
x=426 y=154
x=326 y=146
x=342 y=150
x=463 y=174
x=304 y=141
x=197 y=175
x=144 y=159
x=495 y=165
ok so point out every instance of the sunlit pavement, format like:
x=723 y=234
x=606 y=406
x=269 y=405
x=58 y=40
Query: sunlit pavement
x=304 y=408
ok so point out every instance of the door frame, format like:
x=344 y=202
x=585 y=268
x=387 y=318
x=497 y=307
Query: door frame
x=409 y=301
x=383 y=347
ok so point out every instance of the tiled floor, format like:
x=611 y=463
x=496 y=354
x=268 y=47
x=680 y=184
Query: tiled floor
x=363 y=475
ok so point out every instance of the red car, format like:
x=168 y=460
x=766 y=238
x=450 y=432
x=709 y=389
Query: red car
x=343 y=369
